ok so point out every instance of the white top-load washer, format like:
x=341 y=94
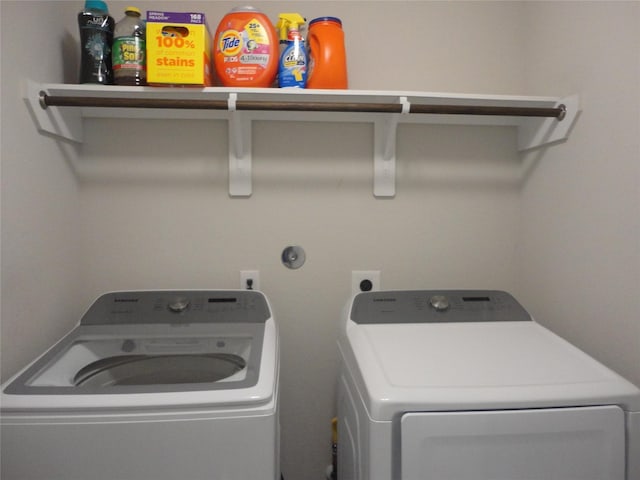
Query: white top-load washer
x=160 y=385
x=464 y=385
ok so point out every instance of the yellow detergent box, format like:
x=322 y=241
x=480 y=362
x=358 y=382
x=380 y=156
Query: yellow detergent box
x=178 y=49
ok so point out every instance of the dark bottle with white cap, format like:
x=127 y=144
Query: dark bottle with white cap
x=96 y=36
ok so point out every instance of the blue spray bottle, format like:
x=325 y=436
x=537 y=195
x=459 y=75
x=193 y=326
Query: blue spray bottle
x=292 y=68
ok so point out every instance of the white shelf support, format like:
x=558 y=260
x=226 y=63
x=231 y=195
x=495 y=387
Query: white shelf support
x=240 y=183
x=384 y=152
x=537 y=132
x=63 y=123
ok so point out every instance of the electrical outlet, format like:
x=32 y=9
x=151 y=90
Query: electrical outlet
x=365 y=281
x=250 y=279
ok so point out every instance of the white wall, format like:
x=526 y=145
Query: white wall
x=40 y=205
x=457 y=220
x=580 y=239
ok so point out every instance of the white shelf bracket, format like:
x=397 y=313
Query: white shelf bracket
x=384 y=152
x=240 y=184
x=536 y=132
x=62 y=123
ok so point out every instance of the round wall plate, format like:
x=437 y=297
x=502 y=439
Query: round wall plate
x=293 y=257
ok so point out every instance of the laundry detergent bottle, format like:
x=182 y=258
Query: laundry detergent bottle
x=327 y=55
x=245 y=49
x=292 y=68
x=96 y=36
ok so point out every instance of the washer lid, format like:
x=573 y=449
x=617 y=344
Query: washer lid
x=475 y=365
x=206 y=348
x=141 y=367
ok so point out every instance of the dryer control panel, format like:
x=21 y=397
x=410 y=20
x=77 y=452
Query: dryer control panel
x=437 y=306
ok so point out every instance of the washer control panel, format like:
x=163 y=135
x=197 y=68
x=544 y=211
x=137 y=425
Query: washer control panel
x=437 y=306
x=178 y=307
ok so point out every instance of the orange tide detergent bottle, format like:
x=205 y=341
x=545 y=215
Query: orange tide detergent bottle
x=246 y=49
x=327 y=55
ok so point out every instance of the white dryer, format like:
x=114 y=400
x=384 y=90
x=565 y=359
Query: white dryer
x=158 y=385
x=464 y=385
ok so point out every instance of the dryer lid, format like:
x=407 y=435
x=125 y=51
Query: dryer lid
x=431 y=366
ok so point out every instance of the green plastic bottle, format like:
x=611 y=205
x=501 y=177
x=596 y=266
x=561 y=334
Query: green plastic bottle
x=129 y=49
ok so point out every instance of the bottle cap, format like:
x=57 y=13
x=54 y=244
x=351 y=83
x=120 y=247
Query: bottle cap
x=96 y=5
x=245 y=8
x=326 y=19
x=133 y=9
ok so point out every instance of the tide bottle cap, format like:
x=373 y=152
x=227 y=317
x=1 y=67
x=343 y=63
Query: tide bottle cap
x=325 y=19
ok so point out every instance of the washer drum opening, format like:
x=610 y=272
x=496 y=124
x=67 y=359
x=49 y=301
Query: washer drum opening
x=159 y=369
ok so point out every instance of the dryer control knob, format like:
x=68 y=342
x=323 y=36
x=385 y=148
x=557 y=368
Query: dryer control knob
x=439 y=302
x=178 y=305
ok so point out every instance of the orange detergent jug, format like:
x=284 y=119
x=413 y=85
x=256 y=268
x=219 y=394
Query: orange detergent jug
x=246 y=49
x=327 y=55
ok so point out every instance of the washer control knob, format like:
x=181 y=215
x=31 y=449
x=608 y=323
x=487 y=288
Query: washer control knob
x=178 y=305
x=439 y=302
